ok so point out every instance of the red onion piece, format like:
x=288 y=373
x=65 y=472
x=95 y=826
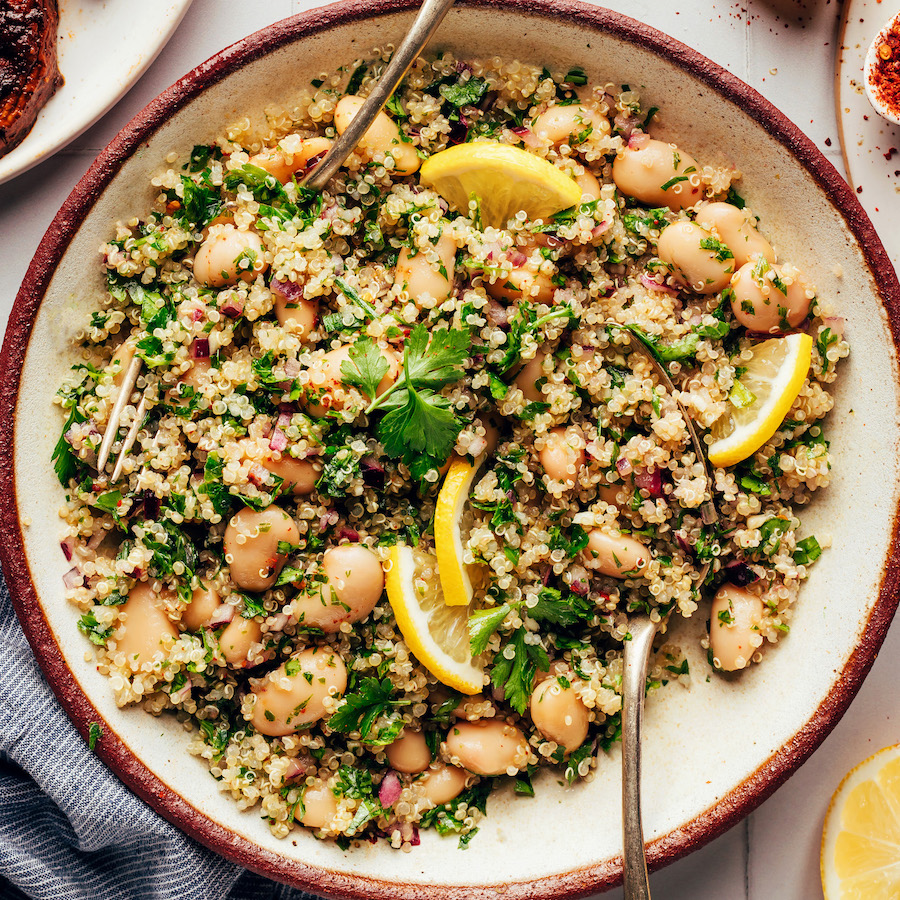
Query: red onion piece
x=292 y=368
x=517 y=258
x=414 y=837
x=294 y=768
x=496 y=314
x=531 y=140
x=328 y=519
x=579 y=583
x=390 y=790
x=96 y=540
x=372 y=471
x=349 y=534
x=683 y=542
x=290 y=290
x=653 y=285
x=278 y=439
x=198 y=314
x=636 y=139
x=181 y=694
x=649 y=480
x=200 y=348
x=258 y=475
x=232 y=307
x=313 y=161
x=222 y=615
x=279 y=622
x=740 y=574
x=623 y=466
x=600 y=229
x=73 y=578
x=67 y=546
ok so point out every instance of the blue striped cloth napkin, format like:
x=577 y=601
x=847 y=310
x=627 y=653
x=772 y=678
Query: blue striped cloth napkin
x=69 y=829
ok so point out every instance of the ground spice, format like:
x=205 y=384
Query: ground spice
x=885 y=76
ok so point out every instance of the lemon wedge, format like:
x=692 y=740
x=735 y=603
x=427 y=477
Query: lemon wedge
x=437 y=634
x=861 y=839
x=456 y=581
x=762 y=397
x=505 y=180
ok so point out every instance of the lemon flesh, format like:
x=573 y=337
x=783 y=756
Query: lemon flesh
x=456 y=580
x=860 y=857
x=505 y=180
x=437 y=634
x=773 y=377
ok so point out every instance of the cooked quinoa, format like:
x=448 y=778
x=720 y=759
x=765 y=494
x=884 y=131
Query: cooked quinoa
x=257 y=419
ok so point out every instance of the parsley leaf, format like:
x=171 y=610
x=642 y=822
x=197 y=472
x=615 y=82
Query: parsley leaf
x=66 y=463
x=365 y=368
x=363 y=707
x=808 y=550
x=466 y=93
x=483 y=623
x=516 y=676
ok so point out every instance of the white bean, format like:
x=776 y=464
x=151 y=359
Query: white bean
x=562 y=456
x=695 y=257
x=297 y=316
x=293 y=695
x=383 y=136
x=319 y=805
x=522 y=283
x=590 y=187
x=441 y=783
x=292 y=154
x=531 y=376
x=251 y=546
x=769 y=299
x=488 y=746
x=559 y=123
x=425 y=276
x=737 y=228
x=658 y=174
x=229 y=255
x=236 y=639
x=409 y=753
x=204 y=602
x=354 y=586
x=616 y=555
x=559 y=714
x=734 y=622
x=147 y=629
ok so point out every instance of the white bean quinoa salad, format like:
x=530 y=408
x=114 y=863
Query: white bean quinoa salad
x=311 y=365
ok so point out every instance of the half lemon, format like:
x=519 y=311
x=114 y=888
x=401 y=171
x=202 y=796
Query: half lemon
x=860 y=857
x=762 y=396
x=437 y=634
x=503 y=178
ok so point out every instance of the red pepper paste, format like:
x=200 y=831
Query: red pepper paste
x=885 y=74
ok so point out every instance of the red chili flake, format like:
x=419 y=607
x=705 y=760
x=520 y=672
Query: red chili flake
x=885 y=76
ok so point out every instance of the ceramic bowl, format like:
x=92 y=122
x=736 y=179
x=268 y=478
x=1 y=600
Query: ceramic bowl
x=713 y=752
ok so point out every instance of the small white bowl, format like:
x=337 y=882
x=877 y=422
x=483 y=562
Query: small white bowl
x=886 y=111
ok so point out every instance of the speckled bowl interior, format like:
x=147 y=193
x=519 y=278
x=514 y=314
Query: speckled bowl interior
x=712 y=752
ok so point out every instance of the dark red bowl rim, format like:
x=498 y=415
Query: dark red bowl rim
x=710 y=824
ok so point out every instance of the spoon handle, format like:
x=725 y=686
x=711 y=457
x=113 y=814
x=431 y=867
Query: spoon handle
x=636 y=664
x=429 y=17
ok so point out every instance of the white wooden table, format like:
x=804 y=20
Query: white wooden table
x=784 y=49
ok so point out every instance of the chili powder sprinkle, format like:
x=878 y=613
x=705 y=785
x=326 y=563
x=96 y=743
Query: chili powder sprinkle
x=885 y=74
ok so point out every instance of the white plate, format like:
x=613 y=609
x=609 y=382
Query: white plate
x=104 y=47
x=871 y=145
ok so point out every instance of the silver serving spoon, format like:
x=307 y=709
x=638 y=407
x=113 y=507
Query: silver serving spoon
x=426 y=22
x=430 y=16
x=635 y=665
